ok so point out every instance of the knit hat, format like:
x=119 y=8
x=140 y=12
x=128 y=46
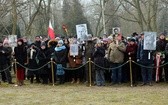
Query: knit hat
x=60 y=42
x=142 y=33
x=20 y=40
x=6 y=41
x=132 y=40
x=162 y=33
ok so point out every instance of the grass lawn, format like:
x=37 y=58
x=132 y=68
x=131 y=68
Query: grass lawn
x=80 y=94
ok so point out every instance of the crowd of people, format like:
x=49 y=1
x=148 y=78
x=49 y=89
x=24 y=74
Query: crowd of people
x=108 y=52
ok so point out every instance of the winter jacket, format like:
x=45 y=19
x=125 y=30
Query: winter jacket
x=132 y=49
x=20 y=54
x=160 y=45
x=116 y=54
x=3 y=55
x=144 y=56
x=60 y=55
x=99 y=56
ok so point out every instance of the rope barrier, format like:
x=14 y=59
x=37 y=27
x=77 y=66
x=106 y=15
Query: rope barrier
x=110 y=68
x=33 y=69
x=151 y=67
x=77 y=67
x=5 y=69
x=148 y=66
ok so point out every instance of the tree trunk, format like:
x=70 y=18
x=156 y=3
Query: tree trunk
x=14 y=17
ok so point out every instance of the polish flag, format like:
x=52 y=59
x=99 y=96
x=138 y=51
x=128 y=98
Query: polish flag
x=51 y=33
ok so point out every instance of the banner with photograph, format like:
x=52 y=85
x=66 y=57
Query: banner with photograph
x=150 y=40
x=81 y=31
x=73 y=49
x=116 y=30
x=12 y=40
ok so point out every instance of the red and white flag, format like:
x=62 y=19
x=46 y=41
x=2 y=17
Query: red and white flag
x=51 y=31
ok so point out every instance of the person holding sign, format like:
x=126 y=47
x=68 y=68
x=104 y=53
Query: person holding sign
x=75 y=60
x=144 y=57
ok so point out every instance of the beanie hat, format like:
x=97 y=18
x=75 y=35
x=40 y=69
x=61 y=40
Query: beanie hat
x=60 y=42
x=20 y=40
x=162 y=33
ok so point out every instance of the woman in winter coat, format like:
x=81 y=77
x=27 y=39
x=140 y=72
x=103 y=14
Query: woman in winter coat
x=49 y=54
x=20 y=54
x=99 y=60
x=42 y=57
x=74 y=62
x=32 y=54
x=60 y=56
x=131 y=51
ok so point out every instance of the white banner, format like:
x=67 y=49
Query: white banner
x=73 y=49
x=12 y=40
x=81 y=31
x=150 y=40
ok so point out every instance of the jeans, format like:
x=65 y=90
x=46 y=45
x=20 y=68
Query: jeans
x=100 y=80
x=146 y=73
x=116 y=73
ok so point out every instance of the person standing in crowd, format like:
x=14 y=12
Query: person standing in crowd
x=74 y=62
x=131 y=51
x=99 y=60
x=42 y=57
x=116 y=58
x=4 y=54
x=67 y=72
x=144 y=57
x=33 y=61
x=160 y=51
x=50 y=52
x=37 y=41
x=20 y=54
x=89 y=50
x=60 y=56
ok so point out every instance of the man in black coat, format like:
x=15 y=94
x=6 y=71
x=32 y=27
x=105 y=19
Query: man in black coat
x=4 y=54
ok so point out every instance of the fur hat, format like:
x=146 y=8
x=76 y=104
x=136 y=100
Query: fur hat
x=52 y=42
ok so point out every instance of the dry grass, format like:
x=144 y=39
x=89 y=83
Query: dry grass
x=73 y=94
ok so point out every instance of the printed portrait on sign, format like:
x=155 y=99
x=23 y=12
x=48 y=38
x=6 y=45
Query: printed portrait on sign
x=82 y=32
x=116 y=30
x=150 y=40
x=73 y=49
x=12 y=40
